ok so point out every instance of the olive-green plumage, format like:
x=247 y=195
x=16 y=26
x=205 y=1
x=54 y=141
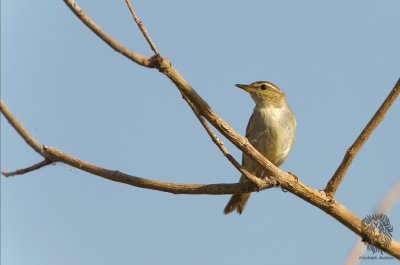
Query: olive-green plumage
x=271 y=130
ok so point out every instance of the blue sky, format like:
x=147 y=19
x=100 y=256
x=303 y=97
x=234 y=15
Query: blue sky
x=336 y=61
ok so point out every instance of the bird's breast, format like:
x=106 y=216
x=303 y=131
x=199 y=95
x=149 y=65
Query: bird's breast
x=272 y=132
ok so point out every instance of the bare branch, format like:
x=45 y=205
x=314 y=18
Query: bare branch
x=32 y=142
x=27 y=169
x=142 y=28
x=54 y=155
x=118 y=47
x=175 y=188
x=337 y=178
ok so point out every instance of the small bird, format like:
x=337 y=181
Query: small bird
x=271 y=130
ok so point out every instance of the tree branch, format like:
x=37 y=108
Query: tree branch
x=118 y=47
x=142 y=28
x=337 y=178
x=27 y=169
x=55 y=155
x=175 y=188
x=21 y=129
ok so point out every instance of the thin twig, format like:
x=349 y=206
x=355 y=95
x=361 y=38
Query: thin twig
x=142 y=28
x=386 y=205
x=257 y=181
x=27 y=169
x=32 y=142
x=118 y=47
x=337 y=178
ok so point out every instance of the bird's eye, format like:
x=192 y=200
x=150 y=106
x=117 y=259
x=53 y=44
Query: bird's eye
x=263 y=87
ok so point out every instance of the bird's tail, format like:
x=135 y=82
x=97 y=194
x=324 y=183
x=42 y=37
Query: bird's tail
x=237 y=202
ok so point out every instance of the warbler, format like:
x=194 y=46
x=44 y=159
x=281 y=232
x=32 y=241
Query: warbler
x=271 y=130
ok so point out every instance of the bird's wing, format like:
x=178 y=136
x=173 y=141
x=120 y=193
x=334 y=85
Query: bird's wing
x=250 y=127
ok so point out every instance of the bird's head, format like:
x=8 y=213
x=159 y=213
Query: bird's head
x=265 y=93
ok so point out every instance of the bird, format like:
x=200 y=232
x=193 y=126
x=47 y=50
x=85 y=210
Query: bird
x=271 y=130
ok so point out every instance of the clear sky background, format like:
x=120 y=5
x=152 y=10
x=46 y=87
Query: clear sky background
x=336 y=61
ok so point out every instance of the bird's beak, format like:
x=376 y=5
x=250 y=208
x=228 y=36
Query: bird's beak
x=244 y=87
